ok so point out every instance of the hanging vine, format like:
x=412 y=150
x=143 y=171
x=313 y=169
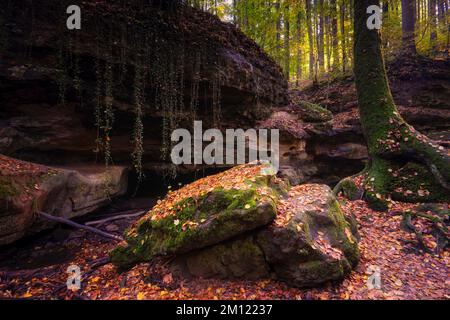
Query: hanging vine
x=108 y=119
x=98 y=107
x=138 y=133
x=62 y=71
x=156 y=50
x=216 y=95
x=195 y=85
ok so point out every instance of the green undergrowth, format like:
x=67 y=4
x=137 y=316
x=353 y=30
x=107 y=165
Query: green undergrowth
x=311 y=112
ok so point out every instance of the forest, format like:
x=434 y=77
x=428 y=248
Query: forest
x=225 y=150
x=312 y=39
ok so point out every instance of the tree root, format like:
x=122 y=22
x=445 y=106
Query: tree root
x=407 y=221
x=441 y=232
x=349 y=188
x=385 y=179
x=437 y=175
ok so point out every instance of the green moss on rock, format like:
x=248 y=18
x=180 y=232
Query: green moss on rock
x=344 y=235
x=311 y=112
x=237 y=258
x=313 y=243
x=7 y=188
x=350 y=190
x=198 y=222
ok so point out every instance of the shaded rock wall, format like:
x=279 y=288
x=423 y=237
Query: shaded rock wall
x=51 y=79
x=64 y=192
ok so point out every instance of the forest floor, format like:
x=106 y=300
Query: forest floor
x=406 y=271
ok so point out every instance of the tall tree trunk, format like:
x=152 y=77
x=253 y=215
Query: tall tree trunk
x=246 y=24
x=310 y=39
x=393 y=145
x=298 y=38
x=334 y=32
x=343 y=36
x=433 y=25
x=320 y=38
x=278 y=30
x=328 y=42
x=350 y=45
x=408 y=27
x=287 y=47
x=234 y=12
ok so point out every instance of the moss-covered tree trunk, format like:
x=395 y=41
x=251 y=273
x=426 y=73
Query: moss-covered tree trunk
x=404 y=164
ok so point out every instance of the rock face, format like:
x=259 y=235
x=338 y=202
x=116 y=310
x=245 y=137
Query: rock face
x=300 y=236
x=240 y=258
x=191 y=63
x=26 y=188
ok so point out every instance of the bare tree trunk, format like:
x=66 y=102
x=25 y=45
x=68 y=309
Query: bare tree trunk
x=408 y=27
x=433 y=25
x=278 y=30
x=287 y=47
x=334 y=32
x=328 y=42
x=299 y=48
x=343 y=36
x=320 y=38
x=310 y=39
x=234 y=12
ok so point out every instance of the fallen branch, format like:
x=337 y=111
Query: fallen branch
x=79 y=226
x=122 y=216
x=122 y=212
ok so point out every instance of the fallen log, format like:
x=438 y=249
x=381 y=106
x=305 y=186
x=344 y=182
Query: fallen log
x=79 y=226
x=118 y=217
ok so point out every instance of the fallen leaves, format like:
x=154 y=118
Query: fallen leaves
x=406 y=273
x=168 y=279
x=235 y=178
x=140 y=296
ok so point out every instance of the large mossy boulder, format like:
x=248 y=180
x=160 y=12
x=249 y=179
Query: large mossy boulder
x=244 y=223
x=204 y=213
x=310 y=241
